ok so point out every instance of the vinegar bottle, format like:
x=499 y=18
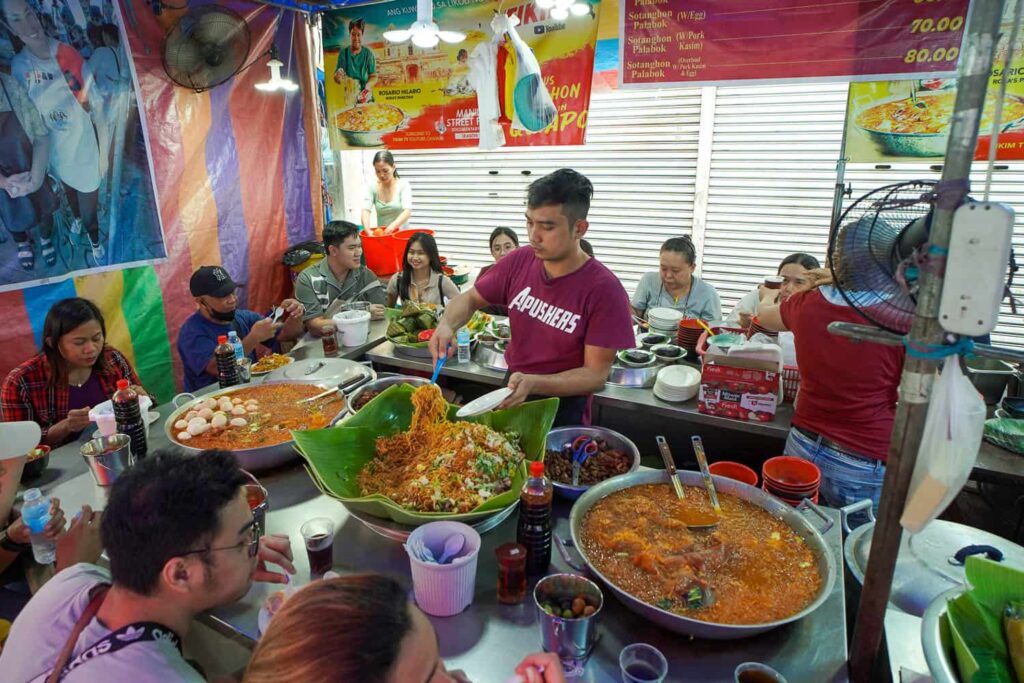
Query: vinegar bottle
x=534 y=528
x=227 y=366
x=128 y=417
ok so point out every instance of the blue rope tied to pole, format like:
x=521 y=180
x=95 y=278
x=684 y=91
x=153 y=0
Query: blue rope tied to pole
x=963 y=347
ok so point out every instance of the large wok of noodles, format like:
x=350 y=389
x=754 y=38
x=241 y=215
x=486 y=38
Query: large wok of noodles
x=406 y=457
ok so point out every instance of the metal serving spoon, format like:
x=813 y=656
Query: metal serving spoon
x=691 y=518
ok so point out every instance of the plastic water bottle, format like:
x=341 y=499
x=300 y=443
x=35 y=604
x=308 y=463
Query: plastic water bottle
x=462 y=345
x=128 y=417
x=36 y=513
x=237 y=343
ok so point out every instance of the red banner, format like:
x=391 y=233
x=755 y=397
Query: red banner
x=696 y=42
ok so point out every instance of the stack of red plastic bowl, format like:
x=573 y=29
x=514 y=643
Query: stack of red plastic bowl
x=755 y=328
x=791 y=479
x=734 y=470
x=689 y=334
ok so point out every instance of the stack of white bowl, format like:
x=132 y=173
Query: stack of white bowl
x=664 y=320
x=677 y=383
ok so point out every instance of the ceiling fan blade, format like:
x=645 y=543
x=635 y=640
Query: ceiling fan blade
x=451 y=36
x=397 y=35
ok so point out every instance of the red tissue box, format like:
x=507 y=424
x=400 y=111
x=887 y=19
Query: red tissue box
x=742 y=390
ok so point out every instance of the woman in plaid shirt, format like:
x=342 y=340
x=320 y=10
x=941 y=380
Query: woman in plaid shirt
x=75 y=371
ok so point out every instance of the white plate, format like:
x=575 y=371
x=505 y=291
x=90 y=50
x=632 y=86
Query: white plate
x=260 y=373
x=152 y=417
x=485 y=403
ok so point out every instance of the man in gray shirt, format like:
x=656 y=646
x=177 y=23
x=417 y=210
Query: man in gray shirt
x=181 y=540
x=338 y=279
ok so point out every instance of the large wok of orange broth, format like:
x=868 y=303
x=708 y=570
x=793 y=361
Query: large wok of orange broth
x=276 y=413
x=757 y=568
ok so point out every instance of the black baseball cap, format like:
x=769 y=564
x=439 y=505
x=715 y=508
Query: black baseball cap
x=212 y=281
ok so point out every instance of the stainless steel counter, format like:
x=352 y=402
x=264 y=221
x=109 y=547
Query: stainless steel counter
x=620 y=398
x=488 y=639
x=311 y=347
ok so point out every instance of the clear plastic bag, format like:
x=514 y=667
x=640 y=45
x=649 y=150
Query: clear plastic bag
x=949 y=447
x=532 y=107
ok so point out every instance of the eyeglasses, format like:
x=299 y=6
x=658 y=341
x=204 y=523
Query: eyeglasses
x=253 y=544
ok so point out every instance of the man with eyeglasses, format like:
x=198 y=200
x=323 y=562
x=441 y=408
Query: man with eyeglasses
x=181 y=540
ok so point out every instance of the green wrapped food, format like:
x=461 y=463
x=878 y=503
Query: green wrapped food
x=1013 y=625
x=409 y=325
x=395 y=330
x=410 y=310
x=426 y=321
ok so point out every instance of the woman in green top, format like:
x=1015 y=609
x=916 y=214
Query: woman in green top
x=390 y=197
x=357 y=62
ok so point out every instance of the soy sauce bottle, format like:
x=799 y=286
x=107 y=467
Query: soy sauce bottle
x=227 y=366
x=128 y=417
x=534 y=528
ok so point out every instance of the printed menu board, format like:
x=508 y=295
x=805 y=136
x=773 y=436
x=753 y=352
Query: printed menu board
x=706 y=42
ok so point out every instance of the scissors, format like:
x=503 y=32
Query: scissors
x=583 y=447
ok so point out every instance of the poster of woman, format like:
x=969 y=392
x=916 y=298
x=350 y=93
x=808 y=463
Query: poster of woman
x=76 y=190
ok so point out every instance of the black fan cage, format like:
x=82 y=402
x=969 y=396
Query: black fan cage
x=206 y=47
x=871 y=252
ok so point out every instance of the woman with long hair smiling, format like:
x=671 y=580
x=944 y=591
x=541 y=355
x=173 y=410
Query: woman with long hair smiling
x=421 y=279
x=75 y=371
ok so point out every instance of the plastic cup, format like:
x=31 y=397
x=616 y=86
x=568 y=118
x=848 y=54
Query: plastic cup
x=244 y=370
x=259 y=502
x=442 y=590
x=642 y=663
x=318 y=534
x=511 y=573
x=755 y=672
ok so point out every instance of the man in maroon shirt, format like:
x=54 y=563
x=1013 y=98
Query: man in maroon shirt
x=569 y=314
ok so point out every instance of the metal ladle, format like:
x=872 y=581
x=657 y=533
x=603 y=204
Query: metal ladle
x=691 y=518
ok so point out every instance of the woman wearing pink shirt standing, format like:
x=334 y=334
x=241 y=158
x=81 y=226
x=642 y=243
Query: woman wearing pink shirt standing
x=569 y=313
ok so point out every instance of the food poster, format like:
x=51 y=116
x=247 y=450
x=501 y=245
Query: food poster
x=421 y=98
x=76 y=184
x=908 y=120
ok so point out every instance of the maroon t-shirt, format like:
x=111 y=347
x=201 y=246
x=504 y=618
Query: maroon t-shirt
x=848 y=389
x=554 y=318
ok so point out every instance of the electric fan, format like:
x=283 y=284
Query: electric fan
x=206 y=47
x=872 y=252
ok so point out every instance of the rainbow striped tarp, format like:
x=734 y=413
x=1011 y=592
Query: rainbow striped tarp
x=235 y=187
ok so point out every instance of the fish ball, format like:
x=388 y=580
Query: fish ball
x=184 y=436
x=238 y=422
x=195 y=429
x=197 y=421
x=210 y=403
x=236 y=400
x=238 y=410
x=206 y=413
x=252 y=409
x=219 y=420
x=181 y=424
x=191 y=414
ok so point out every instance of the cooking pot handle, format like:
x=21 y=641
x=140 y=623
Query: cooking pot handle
x=988 y=551
x=351 y=385
x=847 y=511
x=185 y=395
x=808 y=505
x=563 y=546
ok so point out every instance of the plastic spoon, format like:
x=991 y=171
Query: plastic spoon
x=278 y=312
x=453 y=545
x=705 y=326
x=437 y=368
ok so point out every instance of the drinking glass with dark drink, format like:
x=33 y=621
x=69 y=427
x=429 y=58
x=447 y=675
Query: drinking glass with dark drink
x=511 y=573
x=642 y=663
x=318 y=533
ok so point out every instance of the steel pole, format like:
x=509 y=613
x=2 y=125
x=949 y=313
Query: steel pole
x=840 y=189
x=915 y=388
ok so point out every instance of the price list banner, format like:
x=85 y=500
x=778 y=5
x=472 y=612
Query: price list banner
x=708 y=42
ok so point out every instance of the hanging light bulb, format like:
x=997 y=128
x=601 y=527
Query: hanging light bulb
x=424 y=32
x=580 y=9
x=276 y=82
x=559 y=14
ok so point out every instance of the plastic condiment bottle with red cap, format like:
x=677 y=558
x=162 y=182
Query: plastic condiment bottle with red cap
x=534 y=529
x=128 y=417
x=227 y=366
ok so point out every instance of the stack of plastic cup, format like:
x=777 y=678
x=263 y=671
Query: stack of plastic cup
x=442 y=590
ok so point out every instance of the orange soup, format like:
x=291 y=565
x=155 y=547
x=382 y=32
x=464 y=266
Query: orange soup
x=750 y=569
x=256 y=416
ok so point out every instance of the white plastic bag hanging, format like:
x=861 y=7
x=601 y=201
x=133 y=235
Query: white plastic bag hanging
x=949 y=446
x=483 y=67
x=532 y=107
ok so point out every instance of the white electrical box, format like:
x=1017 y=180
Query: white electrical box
x=976 y=268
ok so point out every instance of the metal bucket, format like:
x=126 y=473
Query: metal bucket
x=107 y=457
x=571 y=639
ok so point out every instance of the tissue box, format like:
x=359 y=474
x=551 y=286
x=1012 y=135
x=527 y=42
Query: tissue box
x=741 y=389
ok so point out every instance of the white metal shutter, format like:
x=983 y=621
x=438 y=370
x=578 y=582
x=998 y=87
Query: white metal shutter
x=773 y=162
x=640 y=154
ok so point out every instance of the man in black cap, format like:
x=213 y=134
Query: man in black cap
x=214 y=291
